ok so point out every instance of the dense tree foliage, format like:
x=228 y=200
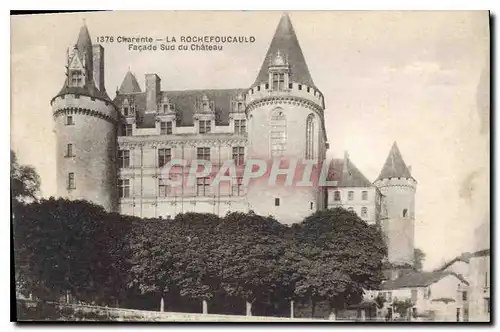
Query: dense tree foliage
x=24 y=181
x=343 y=254
x=75 y=247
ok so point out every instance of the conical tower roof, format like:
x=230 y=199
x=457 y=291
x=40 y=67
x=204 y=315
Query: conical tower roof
x=129 y=84
x=84 y=43
x=394 y=166
x=285 y=41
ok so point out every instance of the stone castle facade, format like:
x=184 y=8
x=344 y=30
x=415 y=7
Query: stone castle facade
x=113 y=151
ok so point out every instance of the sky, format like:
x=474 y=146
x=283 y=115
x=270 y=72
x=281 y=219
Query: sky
x=418 y=78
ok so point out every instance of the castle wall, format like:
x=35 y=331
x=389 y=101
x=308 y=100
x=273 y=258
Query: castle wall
x=295 y=203
x=357 y=203
x=93 y=142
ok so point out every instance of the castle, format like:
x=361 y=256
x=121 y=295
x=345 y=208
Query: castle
x=112 y=152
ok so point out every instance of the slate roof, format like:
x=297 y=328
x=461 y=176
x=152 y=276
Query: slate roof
x=185 y=105
x=419 y=279
x=129 y=84
x=346 y=174
x=394 y=166
x=287 y=43
x=84 y=43
x=84 y=46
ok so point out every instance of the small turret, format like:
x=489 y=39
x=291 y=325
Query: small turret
x=398 y=188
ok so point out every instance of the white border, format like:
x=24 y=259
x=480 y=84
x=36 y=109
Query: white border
x=492 y=5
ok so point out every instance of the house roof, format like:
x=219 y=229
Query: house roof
x=346 y=174
x=419 y=279
x=129 y=84
x=285 y=41
x=464 y=257
x=185 y=105
x=394 y=166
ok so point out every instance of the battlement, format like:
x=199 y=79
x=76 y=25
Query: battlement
x=298 y=90
x=74 y=103
x=395 y=182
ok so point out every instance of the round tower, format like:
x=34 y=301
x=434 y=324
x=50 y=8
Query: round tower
x=285 y=128
x=85 y=127
x=398 y=189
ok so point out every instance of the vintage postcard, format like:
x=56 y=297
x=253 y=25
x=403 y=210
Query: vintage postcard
x=251 y=166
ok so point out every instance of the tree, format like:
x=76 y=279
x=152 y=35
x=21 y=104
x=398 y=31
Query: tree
x=418 y=259
x=401 y=307
x=252 y=248
x=24 y=181
x=343 y=256
x=71 y=246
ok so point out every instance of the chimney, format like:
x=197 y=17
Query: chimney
x=98 y=68
x=153 y=91
x=345 y=169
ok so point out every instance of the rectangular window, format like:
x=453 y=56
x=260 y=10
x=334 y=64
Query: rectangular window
x=203 y=154
x=162 y=188
x=69 y=150
x=164 y=156
x=276 y=201
x=76 y=78
x=464 y=296
x=202 y=186
x=364 y=212
x=278 y=81
x=487 y=307
x=300 y=86
x=414 y=293
x=241 y=107
x=237 y=187
x=127 y=129
x=350 y=195
x=239 y=155
x=166 y=128
x=364 y=195
x=239 y=126
x=336 y=196
x=165 y=108
x=69 y=120
x=126 y=111
x=124 y=188
x=123 y=158
x=71 y=181
x=205 y=126
x=290 y=85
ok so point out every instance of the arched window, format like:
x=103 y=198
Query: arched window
x=278 y=132
x=310 y=137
